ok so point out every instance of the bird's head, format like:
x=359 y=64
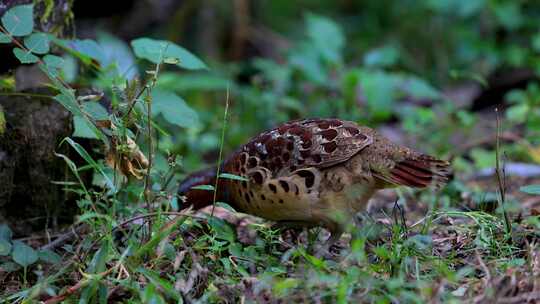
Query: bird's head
x=194 y=196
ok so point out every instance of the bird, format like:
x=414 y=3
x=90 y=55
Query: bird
x=313 y=172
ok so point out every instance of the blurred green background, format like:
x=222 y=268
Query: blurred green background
x=427 y=73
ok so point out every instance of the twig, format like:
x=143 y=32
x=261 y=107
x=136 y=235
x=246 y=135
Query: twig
x=487 y=278
x=73 y=289
x=64 y=238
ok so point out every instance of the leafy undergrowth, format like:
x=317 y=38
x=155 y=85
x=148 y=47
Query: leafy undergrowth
x=401 y=253
x=130 y=243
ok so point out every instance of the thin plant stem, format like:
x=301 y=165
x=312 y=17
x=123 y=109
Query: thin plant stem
x=225 y=115
x=500 y=174
x=148 y=180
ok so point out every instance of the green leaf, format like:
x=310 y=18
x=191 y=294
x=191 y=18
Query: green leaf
x=203 y=187
x=5 y=232
x=327 y=37
x=379 y=89
x=232 y=176
x=53 y=64
x=166 y=286
x=9 y=267
x=119 y=54
x=84 y=49
x=151 y=295
x=174 y=109
x=222 y=229
x=68 y=100
x=99 y=260
x=70 y=103
x=517 y=113
x=37 y=43
x=82 y=128
x=157 y=51
x=531 y=189
x=4 y=38
x=419 y=88
x=192 y=81
x=5 y=247
x=24 y=56
x=82 y=152
x=95 y=110
x=19 y=20
x=307 y=60
x=382 y=57
x=71 y=165
x=23 y=254
x=49 y=256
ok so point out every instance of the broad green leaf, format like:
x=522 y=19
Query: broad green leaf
x=37 y=43
x=509 y=14
x=69 y=68
x=9 y=267
x=419 y=88
x=232 y=176
x=82 y=128
x=5 y=247
x=151 y=295
x=382 y=57
x=95 y=110
x=222 y=229
x=99 y=260
x=4 y=38
x=307 y=60
x=166 y=286
x=198 y=82
x=118 y=53
x=53 y=64
x=49 y=256
x=24 y=56
x=379 y=89
x=174 y=109
x=70 y=103
x=517 y=113
x=23 y=254
x=327 y=37
x=157 y=51
x=81 y=123
x=19 y=20
x=5 y=232
x=531 y=189
x=84 y=49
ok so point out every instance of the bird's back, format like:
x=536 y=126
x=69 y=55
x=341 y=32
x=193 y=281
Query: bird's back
x=307 y=167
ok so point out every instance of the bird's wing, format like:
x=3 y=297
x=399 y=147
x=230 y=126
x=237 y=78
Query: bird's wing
x=418 y=171
x=317 y=143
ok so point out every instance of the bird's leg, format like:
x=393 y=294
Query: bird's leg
x=295 y=226
x=336 y=231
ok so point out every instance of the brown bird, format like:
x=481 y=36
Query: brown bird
x=314 y=172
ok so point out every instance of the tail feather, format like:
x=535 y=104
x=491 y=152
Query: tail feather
x=420 y=172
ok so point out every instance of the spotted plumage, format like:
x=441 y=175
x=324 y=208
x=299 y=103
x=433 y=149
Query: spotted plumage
x=315 y=172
